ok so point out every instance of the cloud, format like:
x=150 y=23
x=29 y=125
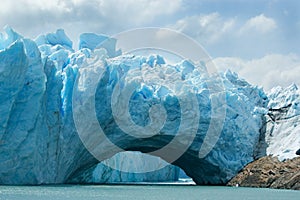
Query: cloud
x=76 y=16
x=259 y=24
x=269 y=71
x=222 y=31
x=235 y=36
x=212 y=28
x=205 y=28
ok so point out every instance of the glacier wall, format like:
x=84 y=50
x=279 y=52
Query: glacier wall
x=280 y=130
x=39 y=142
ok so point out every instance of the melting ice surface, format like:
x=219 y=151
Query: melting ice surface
x=39 y=142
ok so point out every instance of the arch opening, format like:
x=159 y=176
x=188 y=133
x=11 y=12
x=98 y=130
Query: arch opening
x=133 y=167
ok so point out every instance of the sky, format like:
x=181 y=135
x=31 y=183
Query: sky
x=258 y=39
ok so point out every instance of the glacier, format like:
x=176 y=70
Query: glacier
x=40 y=141
x=280 y=135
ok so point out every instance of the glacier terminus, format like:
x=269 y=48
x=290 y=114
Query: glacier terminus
x=45 y=82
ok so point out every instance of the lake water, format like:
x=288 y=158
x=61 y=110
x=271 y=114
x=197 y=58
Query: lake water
x=139 y=192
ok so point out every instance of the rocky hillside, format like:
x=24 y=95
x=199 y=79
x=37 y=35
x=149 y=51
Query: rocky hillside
x=270 y=172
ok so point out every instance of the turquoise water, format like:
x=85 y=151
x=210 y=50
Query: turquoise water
x=146 y=192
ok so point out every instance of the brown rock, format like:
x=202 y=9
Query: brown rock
x=270 y=172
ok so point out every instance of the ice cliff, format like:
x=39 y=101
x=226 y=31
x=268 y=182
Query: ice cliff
x=281 y=131
x=36 y=121
x=39 y=135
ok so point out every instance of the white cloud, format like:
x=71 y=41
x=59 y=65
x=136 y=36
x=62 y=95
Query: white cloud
x=211 y=28
x=232 y=35
x=259 y=24
x=31 y=17
x=235 y=36
x=140 y=10
x=268 y=71
x=205 y=28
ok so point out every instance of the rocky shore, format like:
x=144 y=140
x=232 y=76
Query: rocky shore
x=269 y=172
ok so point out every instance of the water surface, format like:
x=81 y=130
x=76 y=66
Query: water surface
x=146 y=192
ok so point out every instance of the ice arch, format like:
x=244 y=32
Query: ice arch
x=40 y=143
